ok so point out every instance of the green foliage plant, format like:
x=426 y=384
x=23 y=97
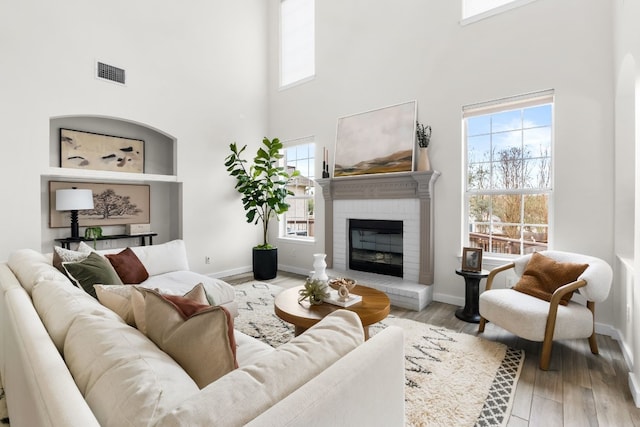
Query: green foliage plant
x=314 y=290
x=93 y=233
x=263 y=185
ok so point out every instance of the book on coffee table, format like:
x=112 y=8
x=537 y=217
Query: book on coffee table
x=335 y=299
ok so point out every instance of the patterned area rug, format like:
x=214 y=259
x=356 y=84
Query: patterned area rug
x=4 y=414
x=452 y=379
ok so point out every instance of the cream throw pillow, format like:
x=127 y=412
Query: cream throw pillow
x=118 y=299
x=197 y=336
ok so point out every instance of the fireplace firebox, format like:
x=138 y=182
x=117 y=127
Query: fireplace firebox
x=376 y=246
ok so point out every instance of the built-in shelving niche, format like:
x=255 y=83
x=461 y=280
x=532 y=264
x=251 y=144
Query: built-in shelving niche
x=160 y=174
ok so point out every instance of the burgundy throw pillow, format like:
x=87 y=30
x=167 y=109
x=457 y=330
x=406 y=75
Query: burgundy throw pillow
x=129 y=267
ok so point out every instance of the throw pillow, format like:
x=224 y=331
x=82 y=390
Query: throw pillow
x=128 y=266
x=543 y=275
x=197 y=336
x=197 y=294
x=90 y=271
x=117 y=299
x=61 y=255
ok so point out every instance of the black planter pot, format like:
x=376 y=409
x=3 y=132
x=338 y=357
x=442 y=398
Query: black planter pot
x=265 y=263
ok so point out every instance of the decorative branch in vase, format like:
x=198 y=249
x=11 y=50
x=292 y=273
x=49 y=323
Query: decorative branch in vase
x=423 y=136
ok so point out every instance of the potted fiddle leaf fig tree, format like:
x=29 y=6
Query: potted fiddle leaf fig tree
x=263 y=186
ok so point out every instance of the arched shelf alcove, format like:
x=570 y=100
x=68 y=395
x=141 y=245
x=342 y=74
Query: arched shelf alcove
x=160 y=174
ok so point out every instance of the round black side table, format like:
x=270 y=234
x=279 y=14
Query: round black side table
x=470 y=312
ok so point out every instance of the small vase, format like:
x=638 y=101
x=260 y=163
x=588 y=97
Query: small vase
x=423 y=160
x=319 y=267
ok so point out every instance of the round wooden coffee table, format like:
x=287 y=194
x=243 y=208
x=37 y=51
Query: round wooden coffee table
x=373 y=308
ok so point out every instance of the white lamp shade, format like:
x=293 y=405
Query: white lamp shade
x=74 y=199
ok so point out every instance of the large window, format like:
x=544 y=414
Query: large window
x=297 y=41
x=508 y=173
x=299 y=220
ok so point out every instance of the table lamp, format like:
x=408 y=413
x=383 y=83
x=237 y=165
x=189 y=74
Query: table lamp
x=74 y=199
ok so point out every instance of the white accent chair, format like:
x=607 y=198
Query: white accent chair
x=537 y=320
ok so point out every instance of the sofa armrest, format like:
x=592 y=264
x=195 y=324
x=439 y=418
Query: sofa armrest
x=365 y=387
x=39 y=388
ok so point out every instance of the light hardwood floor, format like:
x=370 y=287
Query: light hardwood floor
x=579 y=389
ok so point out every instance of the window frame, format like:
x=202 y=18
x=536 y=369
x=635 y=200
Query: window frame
x=309 y=140
x=282 y=84
x=515 y=103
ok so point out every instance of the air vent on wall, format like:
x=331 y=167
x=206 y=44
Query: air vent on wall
x=111 y=73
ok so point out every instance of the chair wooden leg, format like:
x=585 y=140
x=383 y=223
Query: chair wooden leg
x=592 y=339
x=593 y=344
x=483 y=321
x=545 y=356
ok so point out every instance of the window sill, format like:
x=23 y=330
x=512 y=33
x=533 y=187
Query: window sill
x=308 y=241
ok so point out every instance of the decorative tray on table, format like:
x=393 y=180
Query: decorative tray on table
x=340 y=295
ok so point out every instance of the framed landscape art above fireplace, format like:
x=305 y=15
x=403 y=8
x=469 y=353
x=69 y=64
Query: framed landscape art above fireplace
x=377 y=141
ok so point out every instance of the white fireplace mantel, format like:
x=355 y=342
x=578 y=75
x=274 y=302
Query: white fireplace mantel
x=412 y=185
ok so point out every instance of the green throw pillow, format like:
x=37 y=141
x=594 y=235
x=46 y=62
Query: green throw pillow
x=91 y=271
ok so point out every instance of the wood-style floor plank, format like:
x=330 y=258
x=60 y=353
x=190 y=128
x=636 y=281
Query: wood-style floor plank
x=580 y=389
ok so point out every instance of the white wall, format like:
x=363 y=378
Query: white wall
x=374 y=54
x=194 y=72
x=627 y=185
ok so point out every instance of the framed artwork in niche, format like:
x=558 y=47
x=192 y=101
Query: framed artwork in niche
x=113 y=204
x=94 y=151
x=377 y=141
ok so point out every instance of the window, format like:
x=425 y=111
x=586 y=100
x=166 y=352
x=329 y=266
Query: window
x=299 y=220
x=508 y=173
x=297 y=40
x=479 y=9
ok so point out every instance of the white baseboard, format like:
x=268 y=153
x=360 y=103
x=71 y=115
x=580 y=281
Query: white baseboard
x=232 y=272
x=292 y=269
x=448 y=299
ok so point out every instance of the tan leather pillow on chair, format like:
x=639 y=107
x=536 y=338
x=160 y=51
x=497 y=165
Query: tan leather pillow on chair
x=543 y=275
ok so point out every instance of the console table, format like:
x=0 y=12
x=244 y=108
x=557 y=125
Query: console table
x=67 y=241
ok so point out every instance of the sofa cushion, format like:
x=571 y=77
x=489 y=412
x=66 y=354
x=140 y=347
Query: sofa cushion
x=95 y=269
x=198 y=336
x=128 y=266
x=58 y=303
x=543 y=275
x=178 y=282
x=278 y=374
x=163 y=258
x=61 y=255
x=31 y=267
x=124 y=377
x=118 y=299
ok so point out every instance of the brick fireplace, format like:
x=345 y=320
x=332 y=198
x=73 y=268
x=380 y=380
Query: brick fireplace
x=404 y=197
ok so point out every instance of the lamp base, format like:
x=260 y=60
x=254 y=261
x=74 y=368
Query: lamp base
x=75 y=227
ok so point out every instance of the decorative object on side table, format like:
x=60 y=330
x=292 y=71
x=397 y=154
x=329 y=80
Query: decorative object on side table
x=314 y=290
x=74 y=200
x=423 y=136
x=263 y=187
x=471 y=259
x=93 y=233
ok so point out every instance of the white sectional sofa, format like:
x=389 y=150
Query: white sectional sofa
x=66 y=360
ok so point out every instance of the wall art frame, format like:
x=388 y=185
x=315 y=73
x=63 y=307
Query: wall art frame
x=95 y=151
x=114 y=204
x=472 y=259
x=376 y=141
